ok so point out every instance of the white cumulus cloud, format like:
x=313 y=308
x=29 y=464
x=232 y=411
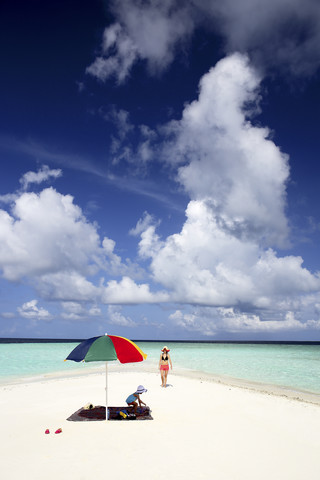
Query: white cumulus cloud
x=46 y=241
x=236 y=176
x=127 y=291
x=31 y=311
x=212 y=321
x=117 y=318
x=227 y=161
x=46 y=233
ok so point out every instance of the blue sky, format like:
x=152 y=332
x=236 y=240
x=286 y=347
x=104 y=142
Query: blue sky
x=159 y=169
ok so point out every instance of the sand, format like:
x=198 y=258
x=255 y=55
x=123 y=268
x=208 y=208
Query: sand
x=201 y=430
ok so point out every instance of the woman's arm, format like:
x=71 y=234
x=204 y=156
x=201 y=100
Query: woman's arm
x=170 y=360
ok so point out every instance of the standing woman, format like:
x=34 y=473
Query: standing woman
x=164 y=365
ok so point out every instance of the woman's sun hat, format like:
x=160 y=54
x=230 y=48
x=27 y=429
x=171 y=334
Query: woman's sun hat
x=165 y=348
x=141 y=389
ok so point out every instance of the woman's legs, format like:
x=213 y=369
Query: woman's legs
x=165 y=377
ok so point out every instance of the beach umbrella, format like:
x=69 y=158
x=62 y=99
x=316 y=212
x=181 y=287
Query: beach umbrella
x=107 y=348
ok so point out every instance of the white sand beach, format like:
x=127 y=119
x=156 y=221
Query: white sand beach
x=200 y=430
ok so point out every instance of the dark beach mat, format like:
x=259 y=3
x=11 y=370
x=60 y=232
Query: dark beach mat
x=99 y=413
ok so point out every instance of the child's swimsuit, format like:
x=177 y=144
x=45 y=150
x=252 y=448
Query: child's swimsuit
x=131 y=398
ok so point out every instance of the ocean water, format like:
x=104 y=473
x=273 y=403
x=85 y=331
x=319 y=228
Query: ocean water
x=296 y=367
x=32 y=359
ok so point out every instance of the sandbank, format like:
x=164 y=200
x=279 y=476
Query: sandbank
x=201 y=429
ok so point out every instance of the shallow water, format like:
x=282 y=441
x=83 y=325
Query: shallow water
x=294 y=366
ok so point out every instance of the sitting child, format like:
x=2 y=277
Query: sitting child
x=135 y=397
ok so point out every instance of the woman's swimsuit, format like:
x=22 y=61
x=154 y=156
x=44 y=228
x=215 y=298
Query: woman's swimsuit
x=164 y=359
x=164 y=367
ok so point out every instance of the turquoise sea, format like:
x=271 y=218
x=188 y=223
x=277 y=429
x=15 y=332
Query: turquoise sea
x=296 y=367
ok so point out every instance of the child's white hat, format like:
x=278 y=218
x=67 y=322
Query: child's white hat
x=141 y=389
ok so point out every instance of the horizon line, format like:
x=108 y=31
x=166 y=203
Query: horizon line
x=75 y=340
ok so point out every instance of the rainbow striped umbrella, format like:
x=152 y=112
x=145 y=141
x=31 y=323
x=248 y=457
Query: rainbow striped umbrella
x=107 y=348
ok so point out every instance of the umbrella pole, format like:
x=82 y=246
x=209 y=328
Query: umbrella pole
x=106 y=391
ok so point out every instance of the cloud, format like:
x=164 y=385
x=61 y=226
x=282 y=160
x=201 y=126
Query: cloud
x=75 y=287
x=123 y=141
x=46 y=233
x=211 y=321
x=77 y=311
x=119 y=64
x=31 y=311
x=203 y=264
x=147 y=31
x=279 y=34
x=236 y=178
x=143 y=224
x=70 y=286
x=121 y=119
x=43 y=174
x=45 y=240
x=117 y=318
x=8 y=198
x=128 y=292
x=226 y=160
x=225 y=255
